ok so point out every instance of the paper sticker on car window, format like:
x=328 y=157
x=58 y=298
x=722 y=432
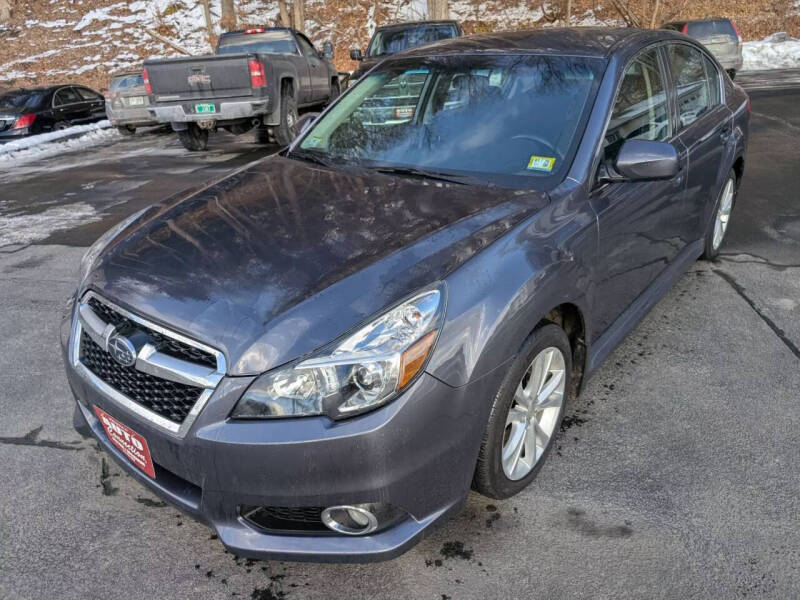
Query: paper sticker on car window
x=541 y=163
x=314 y=141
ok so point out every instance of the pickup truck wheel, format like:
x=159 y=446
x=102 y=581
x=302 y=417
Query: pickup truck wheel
x=286 y=131
x=127 y=129
x=193 y=138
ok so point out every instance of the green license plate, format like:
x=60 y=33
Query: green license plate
x=204 y=108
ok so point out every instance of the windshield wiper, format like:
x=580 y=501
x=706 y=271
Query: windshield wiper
x=310 y=157
x=414 y=172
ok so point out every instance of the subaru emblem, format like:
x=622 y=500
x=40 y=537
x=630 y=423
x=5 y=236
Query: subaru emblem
x=122 y=350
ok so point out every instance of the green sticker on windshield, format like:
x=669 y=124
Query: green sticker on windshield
x=541 y=163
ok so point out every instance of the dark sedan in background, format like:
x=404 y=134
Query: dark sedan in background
x=322 y=352
x=28 y=111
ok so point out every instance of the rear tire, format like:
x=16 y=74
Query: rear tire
x=60 y=126
x=193 y=138
x=286 y=130
x=545 y=359
x=720 y=220
x=127 y=129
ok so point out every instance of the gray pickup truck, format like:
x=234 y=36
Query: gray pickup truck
x=259 y=78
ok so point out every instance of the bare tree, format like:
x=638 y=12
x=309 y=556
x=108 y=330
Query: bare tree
x=286 y=21
x=5 y=11
x=438 y=9
x=228 y=19
x=209 y=22
x=569 y=13
x=655 y=15
x=299 y=14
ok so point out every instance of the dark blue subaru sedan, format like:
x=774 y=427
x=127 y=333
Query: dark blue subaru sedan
x=321 y=353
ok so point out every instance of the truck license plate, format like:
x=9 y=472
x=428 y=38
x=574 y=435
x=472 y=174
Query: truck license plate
x=204 y=108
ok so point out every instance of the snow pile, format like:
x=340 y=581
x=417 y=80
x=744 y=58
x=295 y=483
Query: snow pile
x=27 y=229
x=776 y=51
x=56 y=142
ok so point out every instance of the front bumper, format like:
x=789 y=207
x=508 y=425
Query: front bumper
x=417 y=453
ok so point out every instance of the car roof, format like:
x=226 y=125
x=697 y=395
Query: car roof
x=580 y=41
x=690 y=21
x=416 y=24
x=266 y=29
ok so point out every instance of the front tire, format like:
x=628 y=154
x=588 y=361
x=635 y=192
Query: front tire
x=722 y=214
x=286 y=130
x=127 y=129
x=194 y=138
x=526 y=414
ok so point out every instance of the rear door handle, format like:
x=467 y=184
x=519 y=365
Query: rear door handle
x=725 y=134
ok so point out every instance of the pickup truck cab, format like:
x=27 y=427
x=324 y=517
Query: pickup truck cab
x=259 y=77
x=391 y=39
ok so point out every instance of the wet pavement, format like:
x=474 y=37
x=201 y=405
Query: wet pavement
x=676 y=474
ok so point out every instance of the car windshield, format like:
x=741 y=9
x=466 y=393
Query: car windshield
x=392 y=41
x=509 y=120
x=269 y=42
x=19 y=101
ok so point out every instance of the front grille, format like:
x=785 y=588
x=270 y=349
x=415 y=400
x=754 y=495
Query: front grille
x=162 y=343
x=171 y=400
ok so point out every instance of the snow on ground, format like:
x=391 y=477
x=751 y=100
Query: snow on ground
x=57 y=142
x=27 y=229
x=776 y=51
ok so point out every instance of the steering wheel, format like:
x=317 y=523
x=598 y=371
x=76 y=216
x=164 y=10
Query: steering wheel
x=534 y=138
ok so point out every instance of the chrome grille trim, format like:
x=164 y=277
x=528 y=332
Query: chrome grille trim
x=148 y=360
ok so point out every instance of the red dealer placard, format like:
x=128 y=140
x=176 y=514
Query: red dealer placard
x=130 y=443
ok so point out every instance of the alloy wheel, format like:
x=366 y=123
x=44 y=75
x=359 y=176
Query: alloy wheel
x=723 y=214
x=533 y=415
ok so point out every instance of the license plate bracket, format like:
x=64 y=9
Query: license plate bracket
x=130 y=443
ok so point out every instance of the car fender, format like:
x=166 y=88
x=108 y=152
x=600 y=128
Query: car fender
x=497 y=298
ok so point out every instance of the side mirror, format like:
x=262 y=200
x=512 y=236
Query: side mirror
x=355 y=54
x=327 y=50
x=640 y=160
x=305 y=121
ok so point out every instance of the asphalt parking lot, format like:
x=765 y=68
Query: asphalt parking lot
x=676 y=474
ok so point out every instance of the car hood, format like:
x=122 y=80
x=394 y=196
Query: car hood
x=284 y=256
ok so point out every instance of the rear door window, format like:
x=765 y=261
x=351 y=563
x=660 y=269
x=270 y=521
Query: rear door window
x=87 y=94
x=641 y=109
x=306 y=46
x=712 y=74
x=691 y=84
x=65 y=96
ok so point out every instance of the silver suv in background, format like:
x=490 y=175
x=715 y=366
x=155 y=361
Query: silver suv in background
x=127 y=102
x=720 y=36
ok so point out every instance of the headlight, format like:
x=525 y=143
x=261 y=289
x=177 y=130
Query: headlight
x=87 y=262
x=367 y=369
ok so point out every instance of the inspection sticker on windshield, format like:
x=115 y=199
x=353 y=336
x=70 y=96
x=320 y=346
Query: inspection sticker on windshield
x=541 y=163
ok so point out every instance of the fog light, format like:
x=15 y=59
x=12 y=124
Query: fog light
x=355 y=519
